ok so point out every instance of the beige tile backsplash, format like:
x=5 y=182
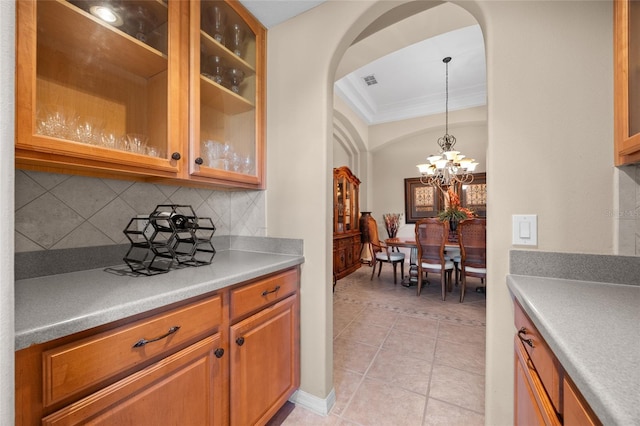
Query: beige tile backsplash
x=55 y=211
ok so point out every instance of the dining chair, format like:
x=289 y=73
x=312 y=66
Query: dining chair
x=381 y=253
x=472 y=237
x=431 y=237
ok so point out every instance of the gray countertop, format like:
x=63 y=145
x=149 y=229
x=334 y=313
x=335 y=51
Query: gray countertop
x=594 y=330
x=54 y=306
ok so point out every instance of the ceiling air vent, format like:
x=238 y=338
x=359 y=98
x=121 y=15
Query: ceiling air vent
x=370 y=80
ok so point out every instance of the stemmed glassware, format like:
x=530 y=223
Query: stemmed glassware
x=236 y=77
x=216 y=23
x=215 y=69
x=237 y=39
x=145 y=22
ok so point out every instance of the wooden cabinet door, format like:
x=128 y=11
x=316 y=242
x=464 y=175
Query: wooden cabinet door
x=183 y=389
x=98 y=97
x=264 y=367
x=226 y=105
x=576 y=410
x=532 y=404
x=626 y=81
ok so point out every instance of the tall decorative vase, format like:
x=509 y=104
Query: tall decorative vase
x=364 y=229
x=365 y=238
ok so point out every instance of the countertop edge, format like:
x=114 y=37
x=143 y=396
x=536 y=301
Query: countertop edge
x=174 y=286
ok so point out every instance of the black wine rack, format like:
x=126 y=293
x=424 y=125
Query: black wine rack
x=170 y=237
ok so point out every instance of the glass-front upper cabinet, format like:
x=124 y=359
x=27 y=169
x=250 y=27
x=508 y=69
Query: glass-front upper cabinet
x=627 y=81
x=227 y=69
x=98 y=86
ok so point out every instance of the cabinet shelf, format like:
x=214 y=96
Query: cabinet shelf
x=211 y=46
x=69 y=29
x=222 y=99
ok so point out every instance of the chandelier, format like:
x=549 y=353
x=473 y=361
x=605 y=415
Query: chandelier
x=449 y=166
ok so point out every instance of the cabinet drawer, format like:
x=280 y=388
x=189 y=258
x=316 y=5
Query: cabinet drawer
x=81 y=364
x=544 y=362
x=255 y=296
x=533 y=406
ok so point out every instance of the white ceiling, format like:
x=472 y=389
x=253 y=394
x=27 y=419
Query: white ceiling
x=410 y=79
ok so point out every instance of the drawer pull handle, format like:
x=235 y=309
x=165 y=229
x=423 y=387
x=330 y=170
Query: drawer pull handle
x=521 y=332
x=218 y=352
x=240 y=341
x=264 y=293
x=143 y=342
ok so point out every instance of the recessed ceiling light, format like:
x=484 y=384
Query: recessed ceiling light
x=107 y=14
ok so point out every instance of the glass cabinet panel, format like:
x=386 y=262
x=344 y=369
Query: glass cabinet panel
x=97 y=87
x=225 y=129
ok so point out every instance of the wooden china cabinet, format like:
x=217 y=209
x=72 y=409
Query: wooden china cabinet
x=149 y=90
x=346 y=229
x=626 y=81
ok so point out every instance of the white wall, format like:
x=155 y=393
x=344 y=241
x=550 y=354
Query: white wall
x=7 y=70
x=549 y=78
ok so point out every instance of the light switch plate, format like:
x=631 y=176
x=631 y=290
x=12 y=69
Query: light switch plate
x=525 y=230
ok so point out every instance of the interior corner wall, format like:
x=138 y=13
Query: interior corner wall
x=7 y=294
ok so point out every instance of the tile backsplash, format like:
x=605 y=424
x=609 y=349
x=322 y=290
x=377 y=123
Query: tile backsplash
x=55 y=211
x=627 y=212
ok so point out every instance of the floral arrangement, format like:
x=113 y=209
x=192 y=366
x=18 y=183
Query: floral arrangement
x=392 y=223
x=453 y=210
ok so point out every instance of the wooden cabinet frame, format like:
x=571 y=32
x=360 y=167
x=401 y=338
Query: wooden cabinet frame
x=161 y=96
x=626 y=74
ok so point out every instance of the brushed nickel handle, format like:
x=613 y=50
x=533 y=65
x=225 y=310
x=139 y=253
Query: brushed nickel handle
x=143 y=342
x=522 y=332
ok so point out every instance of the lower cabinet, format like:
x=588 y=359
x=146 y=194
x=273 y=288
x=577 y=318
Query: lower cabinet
x=346 y=254
x=263 y=358
x=230 y=357
x=185 y=388
x=543 y=392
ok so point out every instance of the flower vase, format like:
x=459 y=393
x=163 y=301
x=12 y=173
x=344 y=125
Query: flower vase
x=392 y=230
x=453 y=224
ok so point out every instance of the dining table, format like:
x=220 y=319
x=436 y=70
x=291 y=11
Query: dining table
x=451 y=250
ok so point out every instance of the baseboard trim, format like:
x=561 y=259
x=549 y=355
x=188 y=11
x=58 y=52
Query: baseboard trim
x=313 y=403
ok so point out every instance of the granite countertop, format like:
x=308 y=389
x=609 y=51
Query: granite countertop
x=54 y=306
x=593 y=329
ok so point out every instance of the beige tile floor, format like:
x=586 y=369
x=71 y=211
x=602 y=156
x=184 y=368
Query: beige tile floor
x=404 y=360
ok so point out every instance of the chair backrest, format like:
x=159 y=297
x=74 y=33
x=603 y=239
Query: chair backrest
x=372 y=227
x=472 y=236
x=431 y=236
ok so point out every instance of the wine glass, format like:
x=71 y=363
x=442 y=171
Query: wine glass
x=215 y=23
x=236 y=76
x=215 y=68
x=137 y=143
x=145 y=22
x=237 y=39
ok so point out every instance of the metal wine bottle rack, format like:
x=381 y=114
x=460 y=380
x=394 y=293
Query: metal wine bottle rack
x=169 y=237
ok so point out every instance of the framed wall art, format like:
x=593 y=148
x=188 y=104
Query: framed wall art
x=420 y=200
